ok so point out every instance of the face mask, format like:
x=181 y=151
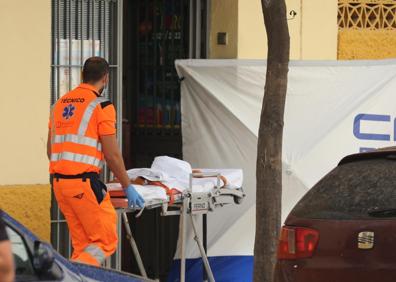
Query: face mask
x=102 y=90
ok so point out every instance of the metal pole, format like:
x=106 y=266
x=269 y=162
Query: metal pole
x=205 y=238
x=100 y=32
x=119 y=243
x=163 y=53
x=53 y=52
x=58 y=94
x=198 y=30
x=70 y=44
x=191 y=30
x=171 y=110
x=82 y=37
x=155 y=64
x=105 y=32
x=93 y=27
x=202 y=250
x=183 y=218
x=56 y=98
x=183 y=230
x=136 y=88
x=208 y=26
x=119 y=71
x=145 y=67
x=133 y=245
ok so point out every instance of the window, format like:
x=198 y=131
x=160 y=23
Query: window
x=350 y=191
x=23 y=265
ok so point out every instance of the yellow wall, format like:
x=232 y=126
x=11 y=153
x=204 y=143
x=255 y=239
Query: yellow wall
x=313 y=31
x=252 y=38
x=25 y=32
x=224 y=18
x=319 y=29
x=30 y=205
x=354 y=44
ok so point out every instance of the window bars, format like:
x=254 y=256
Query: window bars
x=81 y=29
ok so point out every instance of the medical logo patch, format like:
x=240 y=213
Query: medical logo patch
x=68 y=111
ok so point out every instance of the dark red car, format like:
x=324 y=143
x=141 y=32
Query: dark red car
x=344 y=228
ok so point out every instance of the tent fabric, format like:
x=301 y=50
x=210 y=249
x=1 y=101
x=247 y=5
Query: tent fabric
x=225 y=269
x=332 y=109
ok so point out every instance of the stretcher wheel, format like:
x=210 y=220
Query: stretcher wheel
x=238 y=200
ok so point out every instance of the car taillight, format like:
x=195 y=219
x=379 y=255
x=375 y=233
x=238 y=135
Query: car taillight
x=297 y=242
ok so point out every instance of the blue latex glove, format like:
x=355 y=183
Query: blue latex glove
x=134 y=199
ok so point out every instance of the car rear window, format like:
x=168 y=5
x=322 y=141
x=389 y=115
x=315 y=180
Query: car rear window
x=350 y=191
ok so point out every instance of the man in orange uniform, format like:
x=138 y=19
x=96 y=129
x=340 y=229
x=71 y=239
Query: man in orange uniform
x=81 y=136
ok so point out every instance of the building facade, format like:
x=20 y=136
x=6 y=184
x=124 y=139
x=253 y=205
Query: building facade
x=25 y=27
x=367 y=29
x=319 y=30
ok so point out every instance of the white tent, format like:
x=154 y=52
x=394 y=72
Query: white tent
x=332 y=109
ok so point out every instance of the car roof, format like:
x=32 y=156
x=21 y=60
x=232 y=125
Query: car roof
x=388 y=152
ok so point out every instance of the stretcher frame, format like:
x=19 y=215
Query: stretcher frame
x=186 y=204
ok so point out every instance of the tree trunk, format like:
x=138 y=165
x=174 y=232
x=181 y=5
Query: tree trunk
x=269 y=150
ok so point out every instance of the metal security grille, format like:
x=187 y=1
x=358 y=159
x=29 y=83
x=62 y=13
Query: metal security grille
x=367 y=14
x=156 y=33
x=81 y=29
x=161 y=31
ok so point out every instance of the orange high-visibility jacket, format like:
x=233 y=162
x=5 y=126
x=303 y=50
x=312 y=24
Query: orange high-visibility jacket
x=77 y=120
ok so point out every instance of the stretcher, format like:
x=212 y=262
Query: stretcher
x=207 y=191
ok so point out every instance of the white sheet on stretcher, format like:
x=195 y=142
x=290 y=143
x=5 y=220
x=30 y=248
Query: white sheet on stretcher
x=152 y=193
x=233 y=176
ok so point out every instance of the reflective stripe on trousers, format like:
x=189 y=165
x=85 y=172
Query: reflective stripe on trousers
x=95 y=252
x=74 y=157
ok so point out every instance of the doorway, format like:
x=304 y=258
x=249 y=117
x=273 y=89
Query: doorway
x=156 y=33
x=140 y=39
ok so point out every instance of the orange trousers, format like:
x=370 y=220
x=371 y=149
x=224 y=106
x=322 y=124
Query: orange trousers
x=92 y=225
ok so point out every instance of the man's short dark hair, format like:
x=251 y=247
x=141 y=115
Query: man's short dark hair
x=95 y=68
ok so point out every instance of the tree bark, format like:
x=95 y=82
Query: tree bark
x=269 y=150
